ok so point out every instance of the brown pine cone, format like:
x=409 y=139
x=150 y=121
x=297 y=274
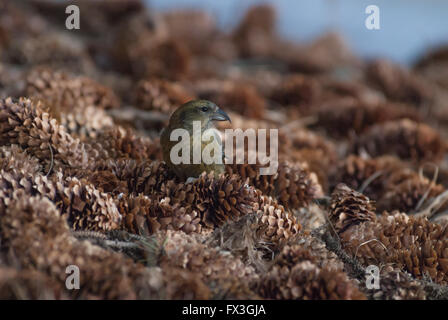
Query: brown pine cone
x=344 y=116
x=277 y=224
x=52 y=49
x=118 y=142
x=397 y=285
x=293 y=185
x=405 y=189
x=211 y=264
x=24 y=123
x=418 y=246
x=349 y=208
x=399 y=84
x=162 y=58
x=406 y=139
x=143 y=215
x=40 y=238
x=79 y=202
x=240 y=97
x=256 y=31
x=215 y=199
x=306 y=281
x=29 y=284
x=66 y=92
x=298 y=91
x=307 y=248
x=160 y=95
x=355 y=172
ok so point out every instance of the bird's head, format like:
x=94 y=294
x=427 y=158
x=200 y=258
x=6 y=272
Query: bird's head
x=197 y=110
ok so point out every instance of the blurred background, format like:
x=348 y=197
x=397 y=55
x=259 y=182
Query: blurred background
x=81 y=111
x=408 y=27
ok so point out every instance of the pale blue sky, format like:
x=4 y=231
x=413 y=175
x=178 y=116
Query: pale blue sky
x=408 y=27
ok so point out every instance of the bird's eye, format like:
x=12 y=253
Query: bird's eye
x=204 y=109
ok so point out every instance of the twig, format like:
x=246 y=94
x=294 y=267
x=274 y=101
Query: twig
x=130 y=113
x=52 y=160
x=369 y=180
x=368 y=241
x=440 y=216
x=433 y=181
x=89 y=234
x=332 y=226
x=334 y=245
x=303 y=122
x=435 y=291
x=437 y=203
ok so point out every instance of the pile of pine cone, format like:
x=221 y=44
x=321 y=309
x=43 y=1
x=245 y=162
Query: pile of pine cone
x=361 y=178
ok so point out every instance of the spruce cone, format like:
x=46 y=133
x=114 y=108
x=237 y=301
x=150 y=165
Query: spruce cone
x=180 y=284
x=308 y=282
x=14 y=158
x=52 y=49
x=124 y=143
x=195 y=28
x=72 y=100
x=277 y=224
x=80 y=203
x=40 y=239
x=88 y=124
x=305 y=146
x=84 y=206
x=29 y=284
x=242 y=239
x=160 y=95
x=355 y=172
x=307 y=248
x=349 y=208
x=65 y=92
x=211 y=264
x=344 y=116
x=293 y=185
x=255 y=34
x=24 y=123
x=141 y=176
x=239 y=97
x=216 y=200
x=397 y=285
x=125 y=175
x=298 y=91
x=257 y=237
x=225 y=276
x=143 y=215
x=406 y=139
x=415 y=244
x=162 y=58
x=304 y=140
x=399 y=84
x=404 y=190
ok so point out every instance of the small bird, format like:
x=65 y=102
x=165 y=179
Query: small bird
x=183 y=118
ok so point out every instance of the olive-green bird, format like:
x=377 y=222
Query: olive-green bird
x=184 y=118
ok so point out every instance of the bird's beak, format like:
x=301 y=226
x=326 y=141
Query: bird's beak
x=220 y=115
